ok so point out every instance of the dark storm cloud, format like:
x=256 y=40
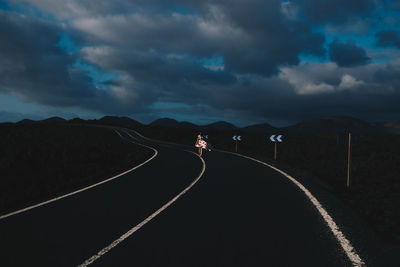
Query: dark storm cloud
x=227 y=59
x=276 y=38
x=31 y=63
x=337 y=11
x=369 y=92
x=152 y=68
x=347 y=54
x=309 y=91
x=389 y=75
x=388 y=38
x=34 y=68
x=248 y=45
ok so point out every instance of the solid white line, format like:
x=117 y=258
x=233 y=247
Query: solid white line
x=83 y=189
x=154 y=140
x=149 y=147
x=148 y=219
x=343 y=241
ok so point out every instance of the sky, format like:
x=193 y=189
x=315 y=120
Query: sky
x=241 y=61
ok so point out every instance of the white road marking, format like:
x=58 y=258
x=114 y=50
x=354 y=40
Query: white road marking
x=86 y=188
x=154 y=140
x=343 y=241
x=148 y=219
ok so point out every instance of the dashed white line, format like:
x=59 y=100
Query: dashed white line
x=148 y=219
x=343 y=241
x=83 y=189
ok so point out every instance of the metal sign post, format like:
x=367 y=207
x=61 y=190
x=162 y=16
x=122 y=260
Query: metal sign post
x=349 y=140
x=236 y=138
x=276 y=138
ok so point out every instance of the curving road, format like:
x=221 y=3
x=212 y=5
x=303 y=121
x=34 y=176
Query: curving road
x=231 y=211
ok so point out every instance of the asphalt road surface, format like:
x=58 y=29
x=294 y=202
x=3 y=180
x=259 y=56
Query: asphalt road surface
x=234 y=212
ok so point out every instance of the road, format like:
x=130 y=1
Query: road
x=237 y=213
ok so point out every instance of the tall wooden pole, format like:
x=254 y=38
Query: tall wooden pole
x=348 y=162
x=275 y=150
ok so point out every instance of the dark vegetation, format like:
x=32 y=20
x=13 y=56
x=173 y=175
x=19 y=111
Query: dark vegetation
x=39 y=161
x=315 y=148
x=374 y=191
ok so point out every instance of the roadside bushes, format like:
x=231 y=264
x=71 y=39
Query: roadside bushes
x=40 y=161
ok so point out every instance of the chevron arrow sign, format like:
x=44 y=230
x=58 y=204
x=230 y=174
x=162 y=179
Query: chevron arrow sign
x=237 y=138
x=276 y=138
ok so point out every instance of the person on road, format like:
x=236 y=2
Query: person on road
x=199 y=144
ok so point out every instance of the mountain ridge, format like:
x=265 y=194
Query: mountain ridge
x=332 y=124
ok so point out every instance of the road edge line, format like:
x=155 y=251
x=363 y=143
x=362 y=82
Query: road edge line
x=145 y=221
x=339 y=235
x=85 y=188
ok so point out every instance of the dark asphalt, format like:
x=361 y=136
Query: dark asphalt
x=240 y=213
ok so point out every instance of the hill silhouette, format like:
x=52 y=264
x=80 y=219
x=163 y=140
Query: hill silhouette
x=120 y=121
x=221 y=126
x=53 y=120
x=167 y=122
x=338 y=124
x=259 y=128
x=26 y=121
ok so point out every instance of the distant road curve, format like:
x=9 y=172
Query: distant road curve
x=69 y=231
x=346 y=245
x=244 y=214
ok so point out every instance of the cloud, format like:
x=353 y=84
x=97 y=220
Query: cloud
x=213 y=27
x=36 y=70
x=349 y=82
x=290 y=10
x=330 y=78
x=309 y=80
x=32 y=63
x=203 y=60
x=387 y=38
x=368 y=92
x=356 y=25
x=347 y=54
x=336 y=12
x=65 y=10
x=247 y=46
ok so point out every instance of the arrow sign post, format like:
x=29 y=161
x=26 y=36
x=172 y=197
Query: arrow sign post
x=236 y=138
x=276 y=138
